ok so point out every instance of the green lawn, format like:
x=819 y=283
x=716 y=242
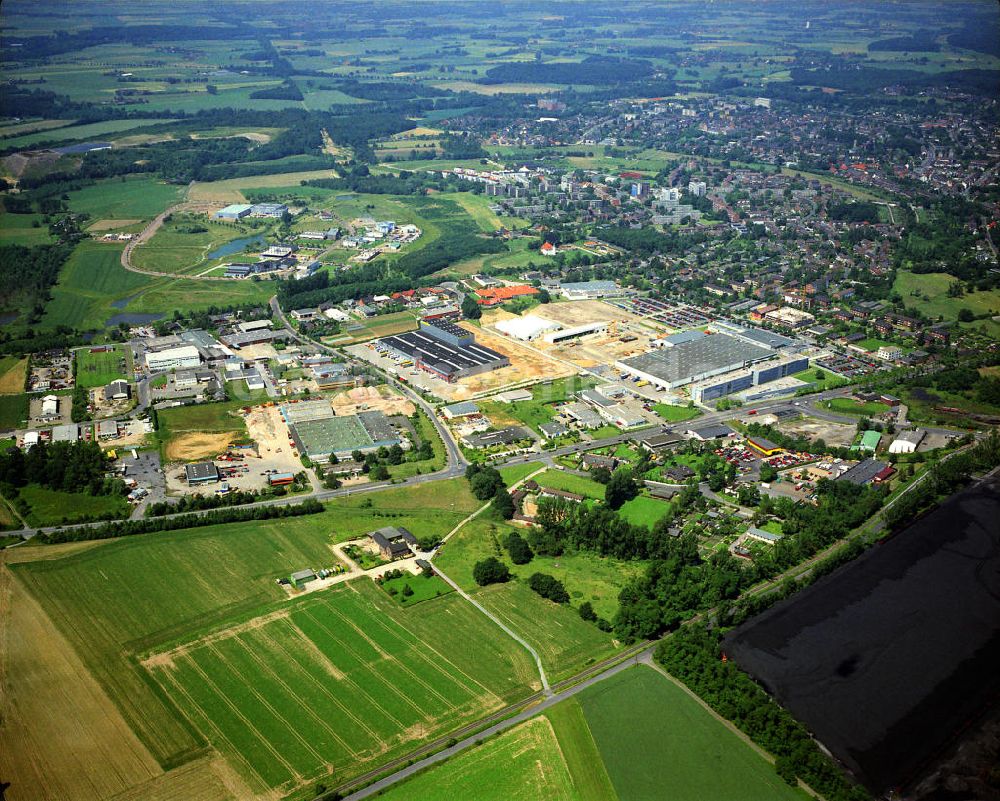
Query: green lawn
x=851 y=406
x=425 y=588
x=515 y=472
x=570 y=482
x=644 y=511
x=675 y=414
x=526 y=763
x=872 y=344
x=51 y=507
x=100 y=369
x=657 y=742
x=928 y=293
x=565 y=643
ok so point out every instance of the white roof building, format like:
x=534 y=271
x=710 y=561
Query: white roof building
x=526 y=328
x=907 y=442
x=173 y=358
x=50 y=405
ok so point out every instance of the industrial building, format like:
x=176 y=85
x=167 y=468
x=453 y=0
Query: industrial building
x=526 y=329
x=589 y=290
x=694 y=360
x=729 y=383
x=445 y=350
x=318 y=434
x=565 y=334
x=117 y=390
x=173 y=358
x=908 y=441
x=201 y=473
x=236 y=211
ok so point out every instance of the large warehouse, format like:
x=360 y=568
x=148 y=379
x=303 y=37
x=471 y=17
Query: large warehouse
x=694 y=360
x=319 y=436
x=173 y=358
x=445 y=350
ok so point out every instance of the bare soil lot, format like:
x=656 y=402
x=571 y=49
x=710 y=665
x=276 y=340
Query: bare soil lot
x=198 y=445
x=526 y=366
x=886 y=659
x=836 y=434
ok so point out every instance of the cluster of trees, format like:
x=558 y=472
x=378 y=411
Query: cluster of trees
x=28 y=274
x=518 y=548
x=693 y=655
x=859 y=211
x=592 y=71
x=490 y=571
x=126 y=528
x=963 y=379
x=487 y=484
x=548 y=587
x=65 y=466
x=620 y=488
x=287 y=90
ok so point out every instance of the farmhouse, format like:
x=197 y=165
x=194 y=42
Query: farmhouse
x=394 y=542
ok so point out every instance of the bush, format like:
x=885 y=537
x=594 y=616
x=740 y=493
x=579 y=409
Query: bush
x=549 y=587
x=587 y=611
x=490 y=571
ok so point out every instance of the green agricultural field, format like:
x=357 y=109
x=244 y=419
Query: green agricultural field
x=928 y=293
x=96 y=131
x=586 y=768
x=23 y=229
x=644 y=511
x=138 y=197
x=51 y=507
x=851 y=406
x=90 y=282
x=143 y=593
x=338 y=680
x=382 y=326
x=425 y=588
x=570 y=482
x=565 y=643
x=214 y=417
x=675 y=414
x=100 y=369
x=13 y=411
x=524 y=764
x=658 y=742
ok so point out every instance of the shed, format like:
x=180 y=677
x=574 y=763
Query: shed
x=201 y=473
x=302 y=577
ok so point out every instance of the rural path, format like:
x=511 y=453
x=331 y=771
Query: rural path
x=147 y=233
x=538 y=661
x=496 y=728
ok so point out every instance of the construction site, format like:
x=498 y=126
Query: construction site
x=583 y=334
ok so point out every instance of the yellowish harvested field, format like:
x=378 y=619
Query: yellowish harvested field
x=208 y=779
x=12 y=381
x=229 y=191
x=110 y=225
x=418 y=131
x=61 y=737
x=38 y=553
x=198 y=445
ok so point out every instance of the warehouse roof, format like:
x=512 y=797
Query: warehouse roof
x=441 y=356
x=684 y=362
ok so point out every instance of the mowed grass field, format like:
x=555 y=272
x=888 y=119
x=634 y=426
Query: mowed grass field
x=13 y=411
x=51 y=507
x=101 y=368
x=523 y=764
x=657 y=742
x=571 y=482
x=119 y=599
x=339 y=679
x=135 y=197
x=928 y=292
x=644 y=511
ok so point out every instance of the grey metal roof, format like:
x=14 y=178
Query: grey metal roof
x=684 y=362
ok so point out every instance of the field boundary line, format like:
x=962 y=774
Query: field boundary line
x=361 y=661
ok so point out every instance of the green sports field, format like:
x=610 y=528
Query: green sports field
x=101 y=368
x=657 y=742
x=339 y=679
